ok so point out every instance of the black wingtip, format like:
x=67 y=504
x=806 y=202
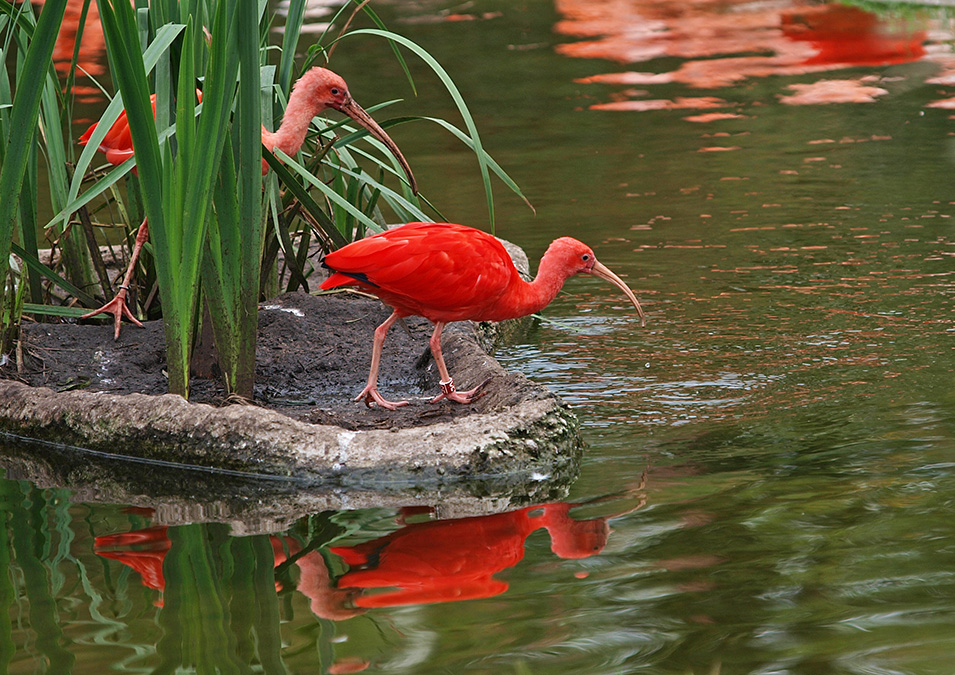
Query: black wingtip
x=357 y=276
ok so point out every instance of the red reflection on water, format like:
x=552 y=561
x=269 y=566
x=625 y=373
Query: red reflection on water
x=450 y=560
x=448 y=16
x=143 y=550
x=315 y=582
x=846 y=35
x=832 y=91
x=91 y=58
x=423 y=562
x=945 y=103
x=348 y=665
x=712 y=117
x=723 y=42
x=679 y=103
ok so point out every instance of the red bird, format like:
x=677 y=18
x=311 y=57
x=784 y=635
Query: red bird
x=117 y=144
x=317 y=90
x=446 y=272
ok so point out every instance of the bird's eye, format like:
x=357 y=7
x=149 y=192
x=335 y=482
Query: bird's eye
x=585 y=257
x=336 y=91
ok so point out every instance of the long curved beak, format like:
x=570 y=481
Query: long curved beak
x=602 y=271
x=357 y=113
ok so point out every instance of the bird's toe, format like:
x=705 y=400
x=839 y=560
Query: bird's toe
x=370 y=396
x=118 y=308
x=461 y=396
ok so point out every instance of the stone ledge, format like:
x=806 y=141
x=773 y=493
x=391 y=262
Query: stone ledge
x=535 y=437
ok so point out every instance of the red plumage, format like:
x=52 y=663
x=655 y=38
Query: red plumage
x=441 y=271
x=118 y=142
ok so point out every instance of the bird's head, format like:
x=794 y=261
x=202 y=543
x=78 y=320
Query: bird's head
x=324 y=89
x=575 y=257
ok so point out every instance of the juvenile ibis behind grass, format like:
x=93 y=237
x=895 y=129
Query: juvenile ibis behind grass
x=317 y=90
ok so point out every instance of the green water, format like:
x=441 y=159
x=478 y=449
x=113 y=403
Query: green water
x=774 y=454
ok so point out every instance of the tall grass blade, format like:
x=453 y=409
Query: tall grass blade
x=458 y=101
x=196 y=607
x=493 y=165
x=28 y=539
x=267 y=621
x=34 y=264
x=76 y=254
x=119 y=29
x=165 y=35
x=8 y=594
x=250 y=222
x=295 y=18
x=28 y=227
x=335 y=198
x=301 y=194
x=21 y=132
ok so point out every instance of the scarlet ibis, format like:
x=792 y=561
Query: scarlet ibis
x=317 y=90
x=446 y=272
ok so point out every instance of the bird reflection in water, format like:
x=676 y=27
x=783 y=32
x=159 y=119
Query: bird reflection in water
x=449 y=560
x=421 y=562
x=846 y=35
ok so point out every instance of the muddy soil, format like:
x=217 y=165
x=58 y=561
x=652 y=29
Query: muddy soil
x=312 y=359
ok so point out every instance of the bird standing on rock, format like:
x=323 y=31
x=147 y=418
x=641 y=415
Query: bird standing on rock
x=446 y=272
x=314 y=92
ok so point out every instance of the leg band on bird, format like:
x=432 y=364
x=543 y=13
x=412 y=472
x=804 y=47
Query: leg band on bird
x=447 y=388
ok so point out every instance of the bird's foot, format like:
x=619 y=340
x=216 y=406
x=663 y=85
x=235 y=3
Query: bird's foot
x=117 y=307
x=370 y=395
x=449 y=392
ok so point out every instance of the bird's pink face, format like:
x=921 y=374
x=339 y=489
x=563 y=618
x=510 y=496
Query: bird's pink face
x=334 y=93
x=578 y=258
x=323 y=89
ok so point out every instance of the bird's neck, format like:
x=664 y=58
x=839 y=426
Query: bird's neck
x=531 y=297
x=291 y=133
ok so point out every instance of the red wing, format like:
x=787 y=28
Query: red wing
x=427 y=266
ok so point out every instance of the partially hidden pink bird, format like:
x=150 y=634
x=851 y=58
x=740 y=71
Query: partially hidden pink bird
x=317 y=90
x=446 y=272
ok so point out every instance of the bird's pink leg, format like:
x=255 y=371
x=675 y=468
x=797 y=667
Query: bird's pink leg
x=370 y=393
x=117 y=306
x=447 y=384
